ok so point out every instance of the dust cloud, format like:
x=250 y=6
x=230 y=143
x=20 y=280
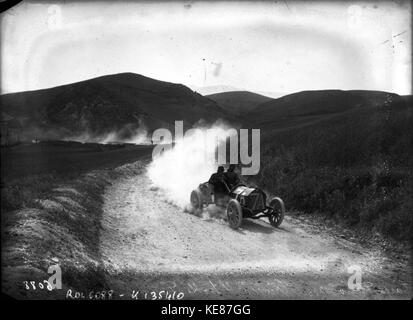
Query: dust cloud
x=191 y=161
x=130 y=133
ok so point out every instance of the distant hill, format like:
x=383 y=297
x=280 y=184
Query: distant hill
x=210 y=90
x=270 y=94
x=207 y=90
x=128 y=104
x=309 y=106
x=105 y=104
x=238 y=102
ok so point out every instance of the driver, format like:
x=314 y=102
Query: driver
x=231 y=178
x=217 y=180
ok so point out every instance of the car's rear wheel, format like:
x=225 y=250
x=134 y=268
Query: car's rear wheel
x=234 y=214
x=196 y=200
x=278 y=210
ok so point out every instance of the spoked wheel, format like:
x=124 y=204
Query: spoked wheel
x=278 y=211
x=196 y=200
x=234 y=214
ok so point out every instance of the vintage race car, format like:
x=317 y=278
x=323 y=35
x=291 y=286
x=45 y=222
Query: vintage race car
x=241 y=202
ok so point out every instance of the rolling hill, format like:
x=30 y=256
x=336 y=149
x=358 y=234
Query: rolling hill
x=207 y=90
x=123 y=103
x=239 y=102
x=128 y=104
x=352 y=166
x=307 y=107
x=210 y=90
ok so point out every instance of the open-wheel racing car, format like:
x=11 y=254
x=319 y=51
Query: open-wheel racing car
x=241 y=202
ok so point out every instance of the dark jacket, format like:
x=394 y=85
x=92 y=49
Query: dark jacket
x=231 y=178
x=217 y=180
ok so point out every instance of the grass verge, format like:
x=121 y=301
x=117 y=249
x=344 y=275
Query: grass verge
x=54 y=220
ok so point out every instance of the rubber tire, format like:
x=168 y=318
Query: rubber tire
x=278 y=205
x=234 y=214
x=196 y=200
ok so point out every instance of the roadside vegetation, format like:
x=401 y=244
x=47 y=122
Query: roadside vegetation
x=356 y=169
x=29 y=171
x=55 y=218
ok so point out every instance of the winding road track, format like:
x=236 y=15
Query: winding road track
x=150 y=245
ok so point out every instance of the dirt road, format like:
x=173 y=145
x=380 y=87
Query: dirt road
x=150 y=246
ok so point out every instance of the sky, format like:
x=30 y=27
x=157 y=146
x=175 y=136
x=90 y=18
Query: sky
x=274 y=46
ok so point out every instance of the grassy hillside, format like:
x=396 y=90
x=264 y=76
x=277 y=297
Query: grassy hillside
x=51 y=205
x=61 y=225
x=310 y=106
x=29 y=171
x=239 y=102
x=106 y=104
x=355 y=168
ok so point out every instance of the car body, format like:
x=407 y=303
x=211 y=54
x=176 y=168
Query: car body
x=241 y=202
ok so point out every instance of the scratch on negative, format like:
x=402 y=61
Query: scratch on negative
x=394 y=36
x=213 y=286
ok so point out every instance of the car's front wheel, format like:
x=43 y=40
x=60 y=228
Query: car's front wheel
x=277 y=211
